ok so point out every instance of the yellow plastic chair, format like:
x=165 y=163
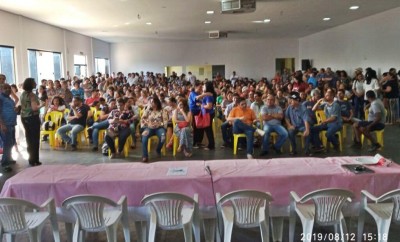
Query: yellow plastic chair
x=320 y=114
x=127 y=145
x=154 y=138
x=235 y=141
x=176 y=139
x=378 y=133
x=56 y=117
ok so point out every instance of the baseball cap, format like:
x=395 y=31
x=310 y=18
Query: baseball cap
x=294 y=95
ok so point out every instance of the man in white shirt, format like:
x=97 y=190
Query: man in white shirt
x=191 y=78
x=234 y=78
x=376 y=121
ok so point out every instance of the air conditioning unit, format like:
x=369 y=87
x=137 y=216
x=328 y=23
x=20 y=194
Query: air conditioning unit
x=217 y=34
x=238 y=6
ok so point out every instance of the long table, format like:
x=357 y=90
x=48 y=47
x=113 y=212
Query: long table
x=277 y=176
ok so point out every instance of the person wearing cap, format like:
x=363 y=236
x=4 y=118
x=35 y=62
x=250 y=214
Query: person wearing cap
x=358 y=90
x=243 y=118
x=332 y=124
x=297 y=120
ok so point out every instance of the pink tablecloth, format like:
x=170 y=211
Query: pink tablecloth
x=134 y=180
x=302 y=175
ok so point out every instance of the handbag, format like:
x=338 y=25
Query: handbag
x=202 y=120
x=183 y=124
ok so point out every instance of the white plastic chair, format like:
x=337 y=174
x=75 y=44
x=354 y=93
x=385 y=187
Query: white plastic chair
x=326 y=210
x=97 y=213
x=382 y=210
x=245 y=209
x=168 y=212
x=20 y=216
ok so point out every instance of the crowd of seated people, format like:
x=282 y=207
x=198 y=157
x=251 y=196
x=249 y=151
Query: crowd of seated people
x=142 y=105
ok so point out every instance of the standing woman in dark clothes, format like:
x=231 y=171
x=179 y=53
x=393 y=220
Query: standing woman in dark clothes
x=208 y=105
x=30 y=106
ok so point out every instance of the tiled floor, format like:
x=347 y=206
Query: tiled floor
x=85 y=156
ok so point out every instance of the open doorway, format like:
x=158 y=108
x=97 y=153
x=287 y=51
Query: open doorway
x=284 y=63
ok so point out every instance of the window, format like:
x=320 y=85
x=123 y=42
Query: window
x=102 y=65
x=80 y=66
x=44 y=64
x=7 y=63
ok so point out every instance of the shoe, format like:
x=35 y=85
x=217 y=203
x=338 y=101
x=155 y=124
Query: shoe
x=240 y=148
x=356 y=145
x=264 y=153
x=319 y=149
x=196 y=146
x=145 y=159
x=260 y=132
x=374 y=147
x=37 y=163
x=336 y=148
x=249 y=156
x=277 y=151
x=224 y=145
x=179 y=149
x=95 y=149
x=308 y=153
x=293 y=153
x=73 y=148
x=187 y=154
x=7 y=169
x=133 y=146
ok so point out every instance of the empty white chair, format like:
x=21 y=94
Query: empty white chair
x=384 y=209
x=20 y=216
x=172 y=211
x=245 y=209
x=96 y=213
x=325 y=210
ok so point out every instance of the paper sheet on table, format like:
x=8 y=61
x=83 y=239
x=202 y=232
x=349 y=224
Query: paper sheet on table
x=177 y=171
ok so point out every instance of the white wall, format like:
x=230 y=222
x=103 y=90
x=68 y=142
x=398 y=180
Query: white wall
x=24 y=33
x=252 y=58
x=370 y=42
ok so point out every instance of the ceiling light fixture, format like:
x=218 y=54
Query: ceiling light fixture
x=210 y=12
x=354 y=7
x=267 y=20
x=207 y=22
x=148 y=23
x=326 y=19
x=258 y=21
x=127 y=23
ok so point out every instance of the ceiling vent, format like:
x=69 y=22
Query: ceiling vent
x=238 y=6
x=217 y=34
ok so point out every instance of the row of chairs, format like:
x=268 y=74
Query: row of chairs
x=171 y=211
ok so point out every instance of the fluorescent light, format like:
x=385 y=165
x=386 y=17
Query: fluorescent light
x=326 y=19
x=127 y=23
x=210 y=12
x=148 y=23
x=258 y=21
x=267 y=20
x=207 y=22
x=354 y=7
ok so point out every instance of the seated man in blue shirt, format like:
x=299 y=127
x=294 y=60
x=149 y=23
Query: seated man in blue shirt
x=297 y=120
x=345 y=107
x=332 y=124
x=272 y=116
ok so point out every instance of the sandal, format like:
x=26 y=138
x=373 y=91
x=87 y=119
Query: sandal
x=169 y=145
x=187 y=154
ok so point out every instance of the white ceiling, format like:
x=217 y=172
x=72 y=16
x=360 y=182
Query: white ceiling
x=125 y=20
